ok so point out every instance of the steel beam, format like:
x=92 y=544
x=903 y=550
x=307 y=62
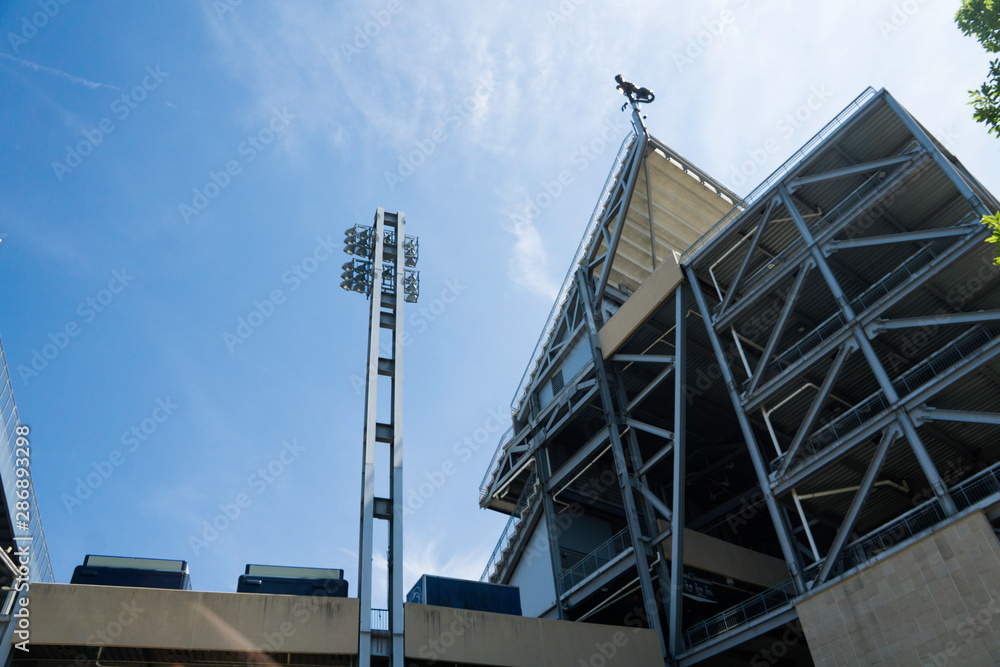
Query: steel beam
x=903 y=237
x=942 y=162
x=582 y=455
x=626 y=200
x=649 y=428
x=641 y=396
x=643 y=358
x=657 y=504
x=934 y=320
x=959 y=416
x=805 y=428
x=780 y=527
x=847 y=171
x=657 y=457
x=649 y=209
x=779 y=326
x=735 y=282
x=851 y=518
x=933 y=267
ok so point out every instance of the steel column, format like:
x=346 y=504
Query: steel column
x=543 y=470
x=396 y=456
x=624 y=478
x=368 y=455
x=780 y=526
x=676 y=612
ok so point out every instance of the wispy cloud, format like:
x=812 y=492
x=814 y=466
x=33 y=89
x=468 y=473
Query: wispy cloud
x=93 y=85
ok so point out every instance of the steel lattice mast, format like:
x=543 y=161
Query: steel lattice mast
x=380 y=269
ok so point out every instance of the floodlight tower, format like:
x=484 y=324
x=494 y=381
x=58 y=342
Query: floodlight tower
x=382 y=269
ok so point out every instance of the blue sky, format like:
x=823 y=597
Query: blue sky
x=170 y=168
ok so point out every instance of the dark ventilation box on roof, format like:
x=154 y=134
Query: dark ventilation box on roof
x=465 y=594
x=281 y=580
x=133 y=572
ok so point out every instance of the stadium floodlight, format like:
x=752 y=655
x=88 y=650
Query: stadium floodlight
x=411 y=250
x=358 y=241
x=411 y=286
x=357 y=276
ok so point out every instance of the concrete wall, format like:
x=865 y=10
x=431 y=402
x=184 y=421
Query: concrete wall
x=533 y=574
x=936 y=602
x=456 y=635
x=729 y=560
x=78 y=615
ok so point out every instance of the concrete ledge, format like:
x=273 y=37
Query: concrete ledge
x=80 y=615
x=457 y=635
x=637 y=309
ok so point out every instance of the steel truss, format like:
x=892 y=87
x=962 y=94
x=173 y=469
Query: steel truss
x=809 y=359
x=898 y=407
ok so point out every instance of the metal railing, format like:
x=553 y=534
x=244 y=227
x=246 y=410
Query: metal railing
x=923 y=517
x=863 y=301
x=920 y=519
x=380 y=619
x=951 y=354
x=978 y=487
x=616 y=545
x=741 y=614
x=954 y=352
x=510 y=530
x=898 y=531
x=869 y=186
x=484 y=486
x=788 y=165
x=560 y=302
